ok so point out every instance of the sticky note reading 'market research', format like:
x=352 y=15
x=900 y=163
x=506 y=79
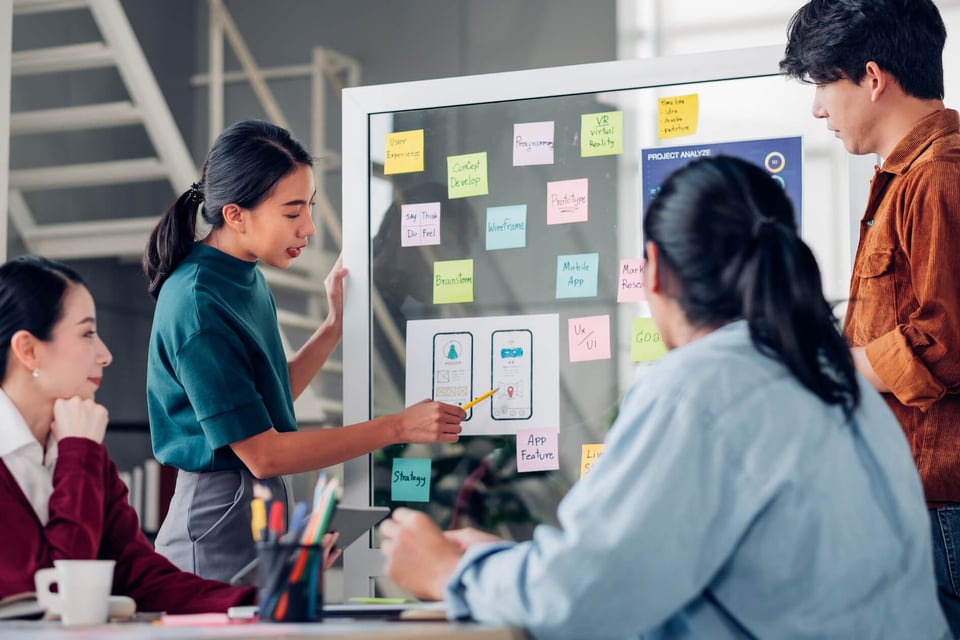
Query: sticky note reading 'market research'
x=630 y=281
x=601 y=134
x=589 y=453
x=404 y=152
x=467 y=175
x=410 y=481
x=452 y=281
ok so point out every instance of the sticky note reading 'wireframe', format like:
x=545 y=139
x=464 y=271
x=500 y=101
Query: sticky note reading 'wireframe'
x=646 y=344
x=630 y=281
x=589 y=338
x=567 y=201
x=577 y=275
x=410 y=481
x=507 y=227
x=537 y=450
x=532 y=143
x=467 y=175
x=452 y=281
x=589 y=453
x=601 y=134
x=420 y=224
x=404 y=152
x=677 y=116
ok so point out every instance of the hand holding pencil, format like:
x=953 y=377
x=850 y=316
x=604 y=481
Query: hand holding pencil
x=429 y=421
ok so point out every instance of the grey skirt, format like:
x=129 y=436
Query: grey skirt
x=207 y=528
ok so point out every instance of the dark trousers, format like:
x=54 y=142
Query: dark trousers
x=945 y=526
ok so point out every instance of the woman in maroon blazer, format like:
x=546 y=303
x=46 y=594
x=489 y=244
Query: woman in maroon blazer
x=60 y=495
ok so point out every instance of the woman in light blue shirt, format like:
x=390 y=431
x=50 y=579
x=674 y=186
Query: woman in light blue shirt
x=753 y=486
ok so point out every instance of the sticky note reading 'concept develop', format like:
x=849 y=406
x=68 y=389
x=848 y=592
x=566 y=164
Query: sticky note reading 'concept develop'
x=601 y=134
x=537 y=450
x=677 y=116
x=404 y=152
x=589 y=338
x=420 y=224
x=588 y=455
x=452 y=281
x=577 y=275
x=630 y=281
x=646 y=344
x=567 y=201
x=467 y=175
x=410 y=481
x=507 y=227
x=532 y=143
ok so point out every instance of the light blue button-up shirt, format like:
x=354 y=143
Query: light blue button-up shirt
x=730 y=502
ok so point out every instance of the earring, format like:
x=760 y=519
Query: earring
x=36 y=372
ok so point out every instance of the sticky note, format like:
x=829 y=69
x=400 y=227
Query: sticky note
x=588 y=455
x=507 y=227
x=467 y=175
x=420 y=224
x=567 y=201
x=601 y=134
x=411 y=479
x=404 y=152
x=589 y=338
x=577 y=275
x=532 y=143
x=677 y=116
x=452 y=281
x=537 y=450
x=630 y=281
x=645 y=342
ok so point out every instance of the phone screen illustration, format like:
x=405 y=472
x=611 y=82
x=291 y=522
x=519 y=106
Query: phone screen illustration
x=511 y=359
x=453 y=368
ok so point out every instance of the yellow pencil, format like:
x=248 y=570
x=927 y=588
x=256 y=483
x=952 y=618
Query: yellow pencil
x=480 y=398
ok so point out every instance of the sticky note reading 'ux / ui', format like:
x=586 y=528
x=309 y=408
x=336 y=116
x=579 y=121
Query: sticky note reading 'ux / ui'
x=567 y=201
x=507 y=227
x=532 y=143
x=588 y=455
x=411 y=479
x=589 y=338
x=677 y=116
x=467 y=175
x=601 y=134
x=452 y=281
x=645 y=341
x=630 y=281
x=404 y=152
x=420 y=224
x=537 y=450
x=577 y=275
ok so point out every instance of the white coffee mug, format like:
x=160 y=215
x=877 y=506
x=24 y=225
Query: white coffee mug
x=83 y=590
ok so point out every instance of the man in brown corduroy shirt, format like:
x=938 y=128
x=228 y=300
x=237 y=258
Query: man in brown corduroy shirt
x=878 y=71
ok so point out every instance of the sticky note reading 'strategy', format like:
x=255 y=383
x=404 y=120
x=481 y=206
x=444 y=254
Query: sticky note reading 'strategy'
x=467 y=175
x=630 y=281
x=589 y=453
x=507 y=227
x=589 y=338
x=404 y=152
x=568 y=201
x=537 y=450
x=532 y=143
x=577 y=275
x=601 y=134
x=452 y=281
x=420 y=224
x=410 y=481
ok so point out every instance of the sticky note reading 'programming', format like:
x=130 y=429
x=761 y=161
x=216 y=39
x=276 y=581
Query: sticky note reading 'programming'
x=532 y=143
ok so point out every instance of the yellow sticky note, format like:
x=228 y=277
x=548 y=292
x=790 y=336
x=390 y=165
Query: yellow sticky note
x=467 y=175
x=452 y=281
x=404 y=152
x=588 y=455
x=601 y=134
x=678 y=116
x=645 y=341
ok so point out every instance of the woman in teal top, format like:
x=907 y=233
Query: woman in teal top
x=220 y=389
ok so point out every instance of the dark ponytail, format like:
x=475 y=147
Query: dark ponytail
x=243 y=165
x=727 y=238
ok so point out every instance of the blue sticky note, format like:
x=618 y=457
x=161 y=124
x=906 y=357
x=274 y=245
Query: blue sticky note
x=410 y=481
x=507 y=227
x=577 y=275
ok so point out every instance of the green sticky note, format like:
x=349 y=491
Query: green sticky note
x=646 y=344
x=601 y=134
x=467 y=175
x=411 y=480
x=452 y=281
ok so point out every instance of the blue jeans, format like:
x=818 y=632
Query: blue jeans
x=945 y=526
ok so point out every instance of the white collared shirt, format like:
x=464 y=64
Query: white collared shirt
x=25 y=458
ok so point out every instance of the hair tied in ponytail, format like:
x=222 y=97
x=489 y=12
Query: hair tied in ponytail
x=761 y=222
x=195 y=193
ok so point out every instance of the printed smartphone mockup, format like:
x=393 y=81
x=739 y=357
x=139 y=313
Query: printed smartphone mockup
x=511 y=364
x=453 y=368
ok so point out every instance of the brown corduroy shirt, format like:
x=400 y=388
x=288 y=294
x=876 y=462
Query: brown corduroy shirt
x=905 y=295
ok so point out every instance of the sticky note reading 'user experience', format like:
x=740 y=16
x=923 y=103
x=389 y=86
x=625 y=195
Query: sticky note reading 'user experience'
x=589 y=338
x=532 y=143
x=507 y=227
x=630 y=281
x=467 y=175
x=537 y=450
x=404 y=152
x=411 y=479
x=677 y=116
x=601 y=134
x=646 y=344
x=420 y=224
x=588 y=455
x=567 y=201
x=452 y=281
x=577 y=275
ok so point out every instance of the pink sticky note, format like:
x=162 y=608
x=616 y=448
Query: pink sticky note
x=630 y=281
x=532 y=143
x=567 y=201
x=589 y=338
x=537 y=450
x=420 y=224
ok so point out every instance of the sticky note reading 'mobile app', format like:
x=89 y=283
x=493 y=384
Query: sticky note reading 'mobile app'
x=410 y=480
x=452 y=281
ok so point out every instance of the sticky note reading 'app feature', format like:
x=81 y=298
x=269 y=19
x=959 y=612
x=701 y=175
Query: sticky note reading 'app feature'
x=452 y=281
x=467 y=175
x=630 y=281
x=601 y=134
x=420 y=224
x=410 y=481
x=577 y=275
x=589 y=453
x=404 y=152
x=589 y=338
x=537 y=450
x=507 y=227
x=677 y=116
x=646 y=344
x=567 y=201
x=532 y=143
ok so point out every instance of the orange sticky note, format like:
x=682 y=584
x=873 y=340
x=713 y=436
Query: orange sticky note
x=677 y=116
x=588 y=455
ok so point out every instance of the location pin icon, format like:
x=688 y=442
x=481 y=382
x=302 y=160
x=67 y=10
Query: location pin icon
x=509 y=392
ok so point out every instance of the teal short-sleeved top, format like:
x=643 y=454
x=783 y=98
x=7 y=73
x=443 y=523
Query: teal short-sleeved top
x=216 y=369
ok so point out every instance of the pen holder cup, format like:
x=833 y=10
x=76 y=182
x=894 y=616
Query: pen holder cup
x=291 y=582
